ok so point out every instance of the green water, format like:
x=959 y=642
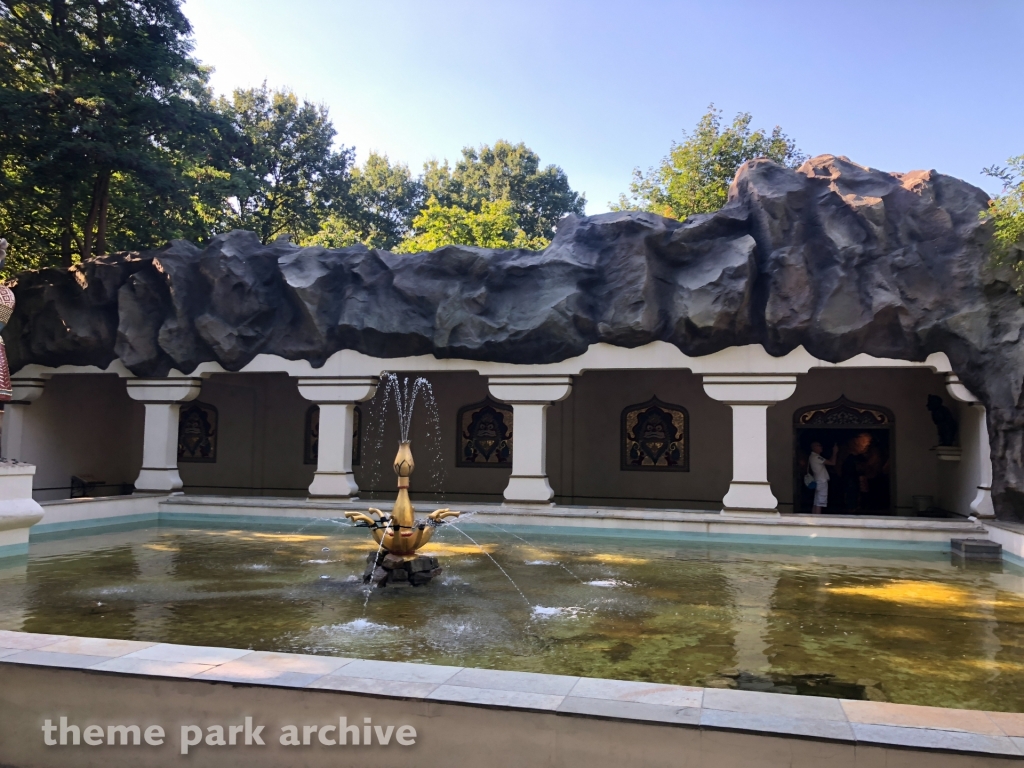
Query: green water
x=903 y=627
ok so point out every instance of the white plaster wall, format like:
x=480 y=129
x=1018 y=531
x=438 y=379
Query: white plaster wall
x=903 y=391
x=83 y=424
x=584 y=455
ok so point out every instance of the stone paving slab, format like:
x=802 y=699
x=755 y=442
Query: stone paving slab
x=400 y=671
x=527 y=682
x=929 y=738
x=1011 y=723
x=97 y=646
x=864 y=723
x=496 y=698
x=778 y=723
x=41 y=658
x=914 y=716
x=643 y=693
x=275 y=668
x=618 y=709
x=755 y=703
x=370 y=686
x=151 y=667
x=189 y=654
x=26 y=640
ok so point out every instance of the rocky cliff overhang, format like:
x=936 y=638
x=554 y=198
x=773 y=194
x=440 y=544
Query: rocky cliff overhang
x=835 y=257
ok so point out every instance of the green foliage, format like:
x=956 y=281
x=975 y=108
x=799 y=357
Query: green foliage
x=1007 y=210
x=383 y=201
x=112 y=140
x=106 y=118
x=494 y=225
x=539 y=197
x=695 y=175
x=288 y=176
x=496 y=197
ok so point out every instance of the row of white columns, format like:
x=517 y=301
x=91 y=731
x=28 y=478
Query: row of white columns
x=748 y=395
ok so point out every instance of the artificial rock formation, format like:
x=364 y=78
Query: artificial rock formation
x=833 y=256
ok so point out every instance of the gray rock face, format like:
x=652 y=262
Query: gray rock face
x=836 y=257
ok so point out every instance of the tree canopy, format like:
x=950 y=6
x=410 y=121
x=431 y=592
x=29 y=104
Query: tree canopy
x=113 y=140
x=288 y=176
x=106 y=121
x=494 y=225
x=695 y=175
x=1007 y=210
x=539 y=197
x=383 y=201
x=496 y=196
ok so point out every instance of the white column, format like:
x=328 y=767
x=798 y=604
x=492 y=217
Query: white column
x=163 y=399
x=18 y=511
x=337 y=398
x=749 y=396
x=976 y=457
x=529 y=397
x=26 y=391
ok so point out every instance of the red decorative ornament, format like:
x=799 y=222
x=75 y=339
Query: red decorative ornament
x=6 y=310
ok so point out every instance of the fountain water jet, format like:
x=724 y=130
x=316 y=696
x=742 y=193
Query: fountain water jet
x=399 y=535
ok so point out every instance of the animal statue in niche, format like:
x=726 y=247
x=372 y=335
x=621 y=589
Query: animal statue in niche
x=944 y=420
x=6 y=310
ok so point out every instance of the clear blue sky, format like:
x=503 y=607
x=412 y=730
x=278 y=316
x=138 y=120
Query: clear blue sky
x=600 y=87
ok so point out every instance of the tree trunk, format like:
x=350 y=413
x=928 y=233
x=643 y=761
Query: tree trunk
x=97 y=219
x=101 y=226
x=94 y=212
x=58 y=23
x=65 y=245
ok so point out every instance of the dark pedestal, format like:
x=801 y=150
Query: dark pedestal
x=386 y=570
x=976 y=549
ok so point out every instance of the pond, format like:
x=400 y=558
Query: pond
x=902 y=626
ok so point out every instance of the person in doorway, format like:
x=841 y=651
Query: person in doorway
x=865 y=473
x=818 y=466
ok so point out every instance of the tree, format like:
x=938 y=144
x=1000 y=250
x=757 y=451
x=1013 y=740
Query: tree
x=1007 y=210
x=695 y=175
x=495 y=225
x=382 y=203
x=506 y=172
x=289 y=176
x=106 y=120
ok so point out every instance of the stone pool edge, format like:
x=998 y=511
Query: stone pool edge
x=856 y=723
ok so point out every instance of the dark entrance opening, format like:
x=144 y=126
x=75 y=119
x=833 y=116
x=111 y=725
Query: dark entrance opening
x=863 y=481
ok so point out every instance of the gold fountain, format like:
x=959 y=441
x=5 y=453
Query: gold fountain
x=399 y=533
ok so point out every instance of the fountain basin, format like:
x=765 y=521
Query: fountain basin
x=850 y=622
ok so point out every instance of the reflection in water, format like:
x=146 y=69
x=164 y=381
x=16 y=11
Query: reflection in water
x=752 y=598
x=906 y=627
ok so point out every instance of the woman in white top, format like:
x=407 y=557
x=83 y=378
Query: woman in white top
x=816 y=464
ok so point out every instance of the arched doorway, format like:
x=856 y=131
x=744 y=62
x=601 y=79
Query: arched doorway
x=863 y=481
